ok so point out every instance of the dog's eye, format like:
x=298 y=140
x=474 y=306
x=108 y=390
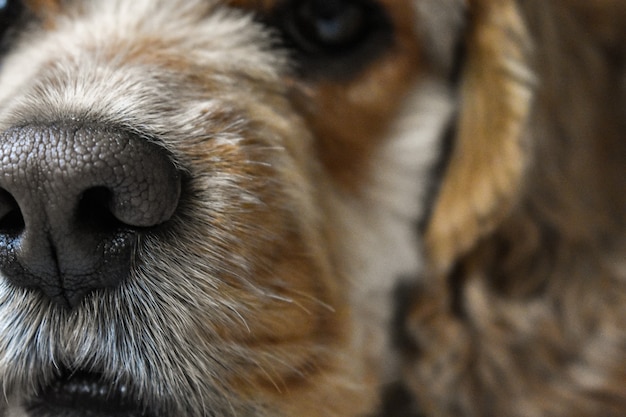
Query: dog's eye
x=10 y=12
x=326 y=32
x=327 y=25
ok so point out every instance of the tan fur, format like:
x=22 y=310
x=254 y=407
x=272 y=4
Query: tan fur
x=489 y=154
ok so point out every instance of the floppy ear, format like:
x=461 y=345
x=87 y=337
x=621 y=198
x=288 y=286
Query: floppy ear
x=485 y=169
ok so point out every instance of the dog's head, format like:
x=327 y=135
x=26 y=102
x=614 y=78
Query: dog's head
x=204 y=205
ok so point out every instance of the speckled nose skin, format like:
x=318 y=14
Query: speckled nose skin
x=73 y=200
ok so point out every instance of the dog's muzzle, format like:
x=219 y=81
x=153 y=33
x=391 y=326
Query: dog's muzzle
x=73 y=201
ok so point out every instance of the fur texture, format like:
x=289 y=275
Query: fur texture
x=269 y=291
x=523 y=314
x=485 y=135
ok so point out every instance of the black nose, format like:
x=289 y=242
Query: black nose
x=72 y=203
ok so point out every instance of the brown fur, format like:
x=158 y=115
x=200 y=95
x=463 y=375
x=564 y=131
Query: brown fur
x=528 y=316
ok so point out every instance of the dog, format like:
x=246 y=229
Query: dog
x=207 y=208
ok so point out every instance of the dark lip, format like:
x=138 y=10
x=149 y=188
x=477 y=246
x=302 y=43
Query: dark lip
x=86 y=394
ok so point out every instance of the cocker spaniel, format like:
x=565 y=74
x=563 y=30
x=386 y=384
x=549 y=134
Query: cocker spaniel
x=215 y=207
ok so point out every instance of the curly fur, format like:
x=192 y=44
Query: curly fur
x=527 y=318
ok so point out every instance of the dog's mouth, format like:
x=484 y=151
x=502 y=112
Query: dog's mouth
x=86 y=394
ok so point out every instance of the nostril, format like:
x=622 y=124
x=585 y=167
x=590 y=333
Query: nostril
x=11 y=219
x=93 y=212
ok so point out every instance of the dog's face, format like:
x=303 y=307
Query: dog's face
x=205 y=204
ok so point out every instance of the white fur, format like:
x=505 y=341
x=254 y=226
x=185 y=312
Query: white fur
x=380 y=232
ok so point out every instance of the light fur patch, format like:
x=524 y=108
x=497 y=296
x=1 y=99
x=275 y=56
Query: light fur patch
x=381 y=230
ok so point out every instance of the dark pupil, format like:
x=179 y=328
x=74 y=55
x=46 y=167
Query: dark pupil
x=331 y=23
